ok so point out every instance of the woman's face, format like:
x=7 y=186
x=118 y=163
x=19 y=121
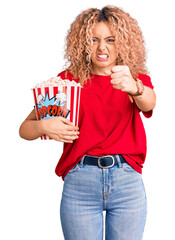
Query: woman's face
x=104 y=50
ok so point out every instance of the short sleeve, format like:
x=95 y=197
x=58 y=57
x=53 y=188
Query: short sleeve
x=62 y=75
x=146 y=82
x=66 y=75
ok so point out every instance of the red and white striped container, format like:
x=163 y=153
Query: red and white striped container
x=71 y=107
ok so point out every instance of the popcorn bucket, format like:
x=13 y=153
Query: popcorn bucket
x=54 y=101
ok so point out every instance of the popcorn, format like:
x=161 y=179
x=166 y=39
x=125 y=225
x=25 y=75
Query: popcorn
x=57 y=97
x=57 y=81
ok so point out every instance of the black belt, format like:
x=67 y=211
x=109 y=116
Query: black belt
x=104 y=161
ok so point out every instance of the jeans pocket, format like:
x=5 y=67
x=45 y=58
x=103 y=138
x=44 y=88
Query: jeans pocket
x=127 y=168
x=74 y=169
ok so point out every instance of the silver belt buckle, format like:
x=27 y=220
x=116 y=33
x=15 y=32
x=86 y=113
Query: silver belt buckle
x=99 y=164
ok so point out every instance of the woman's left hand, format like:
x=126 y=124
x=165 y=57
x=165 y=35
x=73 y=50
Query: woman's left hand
x=122 y=79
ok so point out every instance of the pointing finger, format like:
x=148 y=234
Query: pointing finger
x=66 y=121
x=72 y=128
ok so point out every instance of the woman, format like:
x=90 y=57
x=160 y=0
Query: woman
x=102 y=161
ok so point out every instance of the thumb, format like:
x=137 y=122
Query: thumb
x=108 y=72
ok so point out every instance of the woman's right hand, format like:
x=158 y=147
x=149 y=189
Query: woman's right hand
x=59 y=129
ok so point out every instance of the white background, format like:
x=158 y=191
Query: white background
x=31 y=50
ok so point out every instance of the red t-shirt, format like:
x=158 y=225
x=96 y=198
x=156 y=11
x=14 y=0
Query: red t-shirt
x=108 y=123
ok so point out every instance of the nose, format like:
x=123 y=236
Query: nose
x=101 y=46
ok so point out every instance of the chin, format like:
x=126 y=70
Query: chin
x=101 y=65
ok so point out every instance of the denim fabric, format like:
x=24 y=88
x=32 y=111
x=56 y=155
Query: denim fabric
x=90 y=190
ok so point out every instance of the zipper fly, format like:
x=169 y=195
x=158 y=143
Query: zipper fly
x=107 y=185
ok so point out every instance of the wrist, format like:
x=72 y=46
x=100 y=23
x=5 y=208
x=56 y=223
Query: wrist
x=138 y=88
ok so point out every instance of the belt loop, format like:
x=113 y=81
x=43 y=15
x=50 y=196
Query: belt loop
x=82 y=160
x=118 y=161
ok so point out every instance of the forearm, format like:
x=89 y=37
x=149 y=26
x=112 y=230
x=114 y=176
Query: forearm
x=30 y=129
x=57 y=128
x=147 y=100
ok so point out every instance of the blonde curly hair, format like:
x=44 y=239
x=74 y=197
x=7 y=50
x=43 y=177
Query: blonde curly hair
x=130 y=43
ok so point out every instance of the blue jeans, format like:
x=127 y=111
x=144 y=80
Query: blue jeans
x=90 y=190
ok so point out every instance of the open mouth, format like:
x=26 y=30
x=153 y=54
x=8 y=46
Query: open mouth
x=102 y=57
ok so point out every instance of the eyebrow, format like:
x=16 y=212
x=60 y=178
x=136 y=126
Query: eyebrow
x=106 y=37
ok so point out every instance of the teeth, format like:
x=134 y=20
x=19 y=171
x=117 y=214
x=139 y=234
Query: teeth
x=102 y=56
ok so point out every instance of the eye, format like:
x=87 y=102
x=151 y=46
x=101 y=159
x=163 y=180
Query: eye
x=94 y=40
x=111 y=40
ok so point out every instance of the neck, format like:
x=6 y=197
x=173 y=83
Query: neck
x=100 y=71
